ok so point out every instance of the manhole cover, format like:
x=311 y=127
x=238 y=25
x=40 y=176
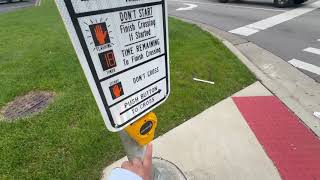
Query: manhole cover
x=27 y=105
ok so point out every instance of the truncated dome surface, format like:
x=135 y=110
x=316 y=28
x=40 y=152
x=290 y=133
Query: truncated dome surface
x=27 y=105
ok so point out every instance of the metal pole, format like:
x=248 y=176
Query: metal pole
x=161 y=169
x=132 y=148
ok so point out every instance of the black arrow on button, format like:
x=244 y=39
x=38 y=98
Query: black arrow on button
x=158 y=92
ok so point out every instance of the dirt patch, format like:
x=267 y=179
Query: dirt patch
x=27 y=105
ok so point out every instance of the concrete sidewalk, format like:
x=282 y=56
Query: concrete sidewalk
x=295 y=89
x=254 y=134
x=216 y=144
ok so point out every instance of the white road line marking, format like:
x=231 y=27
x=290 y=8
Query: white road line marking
x=275 y=20
x=312 y=50
x=244 y=31
x=318 y=40
x=190 y=7
x=306 y=66
x=204 y=81
x=232 y=6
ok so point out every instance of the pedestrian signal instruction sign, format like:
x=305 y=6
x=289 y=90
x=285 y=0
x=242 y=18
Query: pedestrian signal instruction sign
x=122 y=46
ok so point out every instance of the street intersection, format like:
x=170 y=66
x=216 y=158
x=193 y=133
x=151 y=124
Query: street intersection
x=290 y=33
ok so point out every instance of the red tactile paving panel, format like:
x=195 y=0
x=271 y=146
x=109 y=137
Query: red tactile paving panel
x=293 y=148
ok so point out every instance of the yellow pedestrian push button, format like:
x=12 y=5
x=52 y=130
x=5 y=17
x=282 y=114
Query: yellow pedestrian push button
x=142 y=131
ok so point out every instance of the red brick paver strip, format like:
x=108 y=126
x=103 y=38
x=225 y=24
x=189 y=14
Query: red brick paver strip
x=292 y=147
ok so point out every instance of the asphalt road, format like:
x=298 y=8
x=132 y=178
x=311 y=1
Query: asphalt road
x=7 y=7
x=296 y=39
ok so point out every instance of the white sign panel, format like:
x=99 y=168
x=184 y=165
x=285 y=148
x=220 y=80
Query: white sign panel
x=122 y=46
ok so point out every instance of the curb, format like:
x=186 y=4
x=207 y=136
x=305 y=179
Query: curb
x=297 y=91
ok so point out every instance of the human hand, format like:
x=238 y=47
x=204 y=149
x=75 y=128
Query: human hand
x=139 y=167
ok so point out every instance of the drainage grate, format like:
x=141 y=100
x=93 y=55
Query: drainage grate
x=27 y=105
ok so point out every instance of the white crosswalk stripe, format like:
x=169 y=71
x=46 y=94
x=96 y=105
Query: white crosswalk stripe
x=306 y=66
x=312 y=50
x=275 y=20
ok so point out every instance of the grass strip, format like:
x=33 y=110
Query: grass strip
x=69 y=139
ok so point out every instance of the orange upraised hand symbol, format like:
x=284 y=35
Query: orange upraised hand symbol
x=117 y=90
x=100 y=34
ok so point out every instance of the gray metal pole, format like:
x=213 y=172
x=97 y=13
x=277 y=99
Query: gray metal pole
x=161 y=169
x=132 y=148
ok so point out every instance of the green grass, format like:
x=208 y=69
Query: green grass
x=69 y=139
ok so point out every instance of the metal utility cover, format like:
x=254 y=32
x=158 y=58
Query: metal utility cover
x=122 y=46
